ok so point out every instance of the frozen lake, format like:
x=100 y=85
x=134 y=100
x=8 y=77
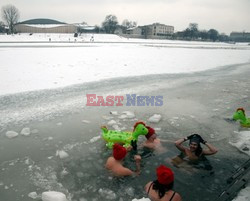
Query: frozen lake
x=200 y=84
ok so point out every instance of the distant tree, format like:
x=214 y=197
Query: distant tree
x=2 y=27
x=203 y=35
x=126 y=24
x=110 y=24
x=193 y=30
x=213 y=34
x=10 y=15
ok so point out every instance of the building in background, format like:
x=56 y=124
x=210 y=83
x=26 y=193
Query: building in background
x=240 y=36
x=157 y=31
x=44 y=26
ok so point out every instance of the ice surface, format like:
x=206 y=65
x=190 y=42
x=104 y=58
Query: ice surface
x=53 y=196
x=48 y=67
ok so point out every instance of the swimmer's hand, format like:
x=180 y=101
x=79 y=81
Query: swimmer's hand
x=202 y=140
x=137 y=158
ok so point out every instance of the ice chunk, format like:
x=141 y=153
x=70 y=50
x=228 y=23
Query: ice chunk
x=62 y=154
x=32 y=195
x=25 y=131
x=116 y=127
x=85 y=121
x=114 y=112
x=11 y=134
x=155 y=118
x=111 y=122
x=107 y=194
x=142 y=199
x=94 y=139
x=53 y=196
x=129 y=114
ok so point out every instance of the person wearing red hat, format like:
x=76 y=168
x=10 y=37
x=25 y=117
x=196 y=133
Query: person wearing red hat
x=161 y=189
x=115 y=162
x=153 y=142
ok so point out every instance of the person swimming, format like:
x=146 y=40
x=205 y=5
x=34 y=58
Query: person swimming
x=161 y=189
x=194 y=152
x=115 y=163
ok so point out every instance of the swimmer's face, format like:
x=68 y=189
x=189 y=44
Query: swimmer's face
x=152 y=138
x=193 y=146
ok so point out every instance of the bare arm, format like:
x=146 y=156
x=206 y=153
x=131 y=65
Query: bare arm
x=179 y=145
x=211 y=149
x=138 y=164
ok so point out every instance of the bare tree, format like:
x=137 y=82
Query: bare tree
x=10 y=15
x=110 y=24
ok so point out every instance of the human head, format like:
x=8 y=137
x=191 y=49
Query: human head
x=165 y=175
x=194 y=143
x=119 y=152
x=151 y=132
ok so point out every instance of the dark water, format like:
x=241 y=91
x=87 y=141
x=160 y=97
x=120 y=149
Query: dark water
x=194 y=103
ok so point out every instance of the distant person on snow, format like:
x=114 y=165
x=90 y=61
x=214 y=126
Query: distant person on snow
x=115 y=162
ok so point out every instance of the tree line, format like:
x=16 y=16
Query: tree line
x=193 y=33
x=11 y=15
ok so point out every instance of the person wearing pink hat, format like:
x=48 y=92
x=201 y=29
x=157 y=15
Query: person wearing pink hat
x=161 y=189
x=115 y=162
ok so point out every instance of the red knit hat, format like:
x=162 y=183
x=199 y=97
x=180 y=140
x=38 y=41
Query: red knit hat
x=165 y=175
x=119 y=152
x=151 y=132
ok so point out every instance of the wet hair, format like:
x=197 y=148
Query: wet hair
x=161 y=188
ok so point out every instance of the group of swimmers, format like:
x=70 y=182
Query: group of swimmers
x=162 y=187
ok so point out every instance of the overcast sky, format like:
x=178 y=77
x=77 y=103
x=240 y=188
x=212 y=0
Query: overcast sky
x=222 y=15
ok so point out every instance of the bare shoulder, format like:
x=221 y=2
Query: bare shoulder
x=110 y=162
x=177 y=197
x=147 y=186
x=122 y=171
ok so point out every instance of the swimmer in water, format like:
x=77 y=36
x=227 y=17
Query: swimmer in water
x=115 y=162
x=162 y=188
x=152 y=142
x=194 y=152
